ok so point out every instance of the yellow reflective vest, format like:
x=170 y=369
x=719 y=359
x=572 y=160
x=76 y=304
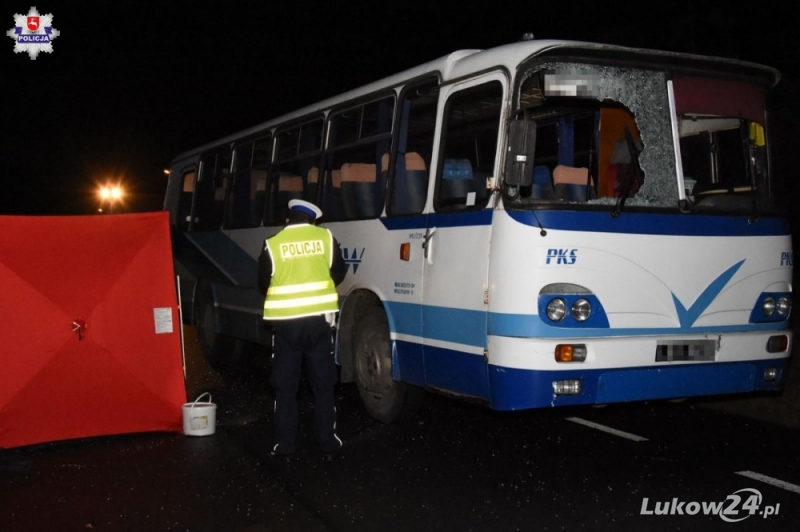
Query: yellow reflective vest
x=301 y=282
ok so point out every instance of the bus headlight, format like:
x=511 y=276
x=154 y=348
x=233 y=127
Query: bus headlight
x=556 y=309
x=772 y=307
x=768 y=306
x=581 y=310
x=783 y=306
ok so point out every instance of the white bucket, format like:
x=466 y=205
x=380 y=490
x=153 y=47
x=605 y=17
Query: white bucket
x=199 y=419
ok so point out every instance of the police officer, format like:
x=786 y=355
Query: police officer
x=299 y=269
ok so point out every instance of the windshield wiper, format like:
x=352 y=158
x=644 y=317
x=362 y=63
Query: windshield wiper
x=628 y=186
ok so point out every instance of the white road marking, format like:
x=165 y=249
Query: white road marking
x=615 y=432
x=770 y=480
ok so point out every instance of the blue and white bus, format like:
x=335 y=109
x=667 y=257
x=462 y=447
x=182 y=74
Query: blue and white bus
x=539 y=224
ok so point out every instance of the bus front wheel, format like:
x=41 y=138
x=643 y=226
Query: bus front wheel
x=384 y=398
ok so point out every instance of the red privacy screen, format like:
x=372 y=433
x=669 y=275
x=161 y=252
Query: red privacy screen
x=89 y=328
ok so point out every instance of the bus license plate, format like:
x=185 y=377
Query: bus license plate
x=686 y=350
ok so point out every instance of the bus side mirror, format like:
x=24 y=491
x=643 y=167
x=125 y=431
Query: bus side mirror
x=521 y=149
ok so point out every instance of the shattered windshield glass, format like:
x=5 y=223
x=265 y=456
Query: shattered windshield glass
x=603 y=135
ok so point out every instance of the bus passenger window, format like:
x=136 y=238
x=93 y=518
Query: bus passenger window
x=185 y=201
x=360 y=138
x=297 y=158
x=472 y=122
x=209 y=201
x=247 y=194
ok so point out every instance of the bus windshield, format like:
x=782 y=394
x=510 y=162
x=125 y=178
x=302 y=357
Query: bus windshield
x=605 y=134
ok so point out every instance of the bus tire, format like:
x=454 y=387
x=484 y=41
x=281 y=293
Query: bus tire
x=384 y=398
x=218 y=349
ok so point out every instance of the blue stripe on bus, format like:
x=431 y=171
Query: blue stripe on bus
x=529 y=326
x=459 y=326
x=450 y=219
x=637 y=223
x=470 y=327
x=516 y=389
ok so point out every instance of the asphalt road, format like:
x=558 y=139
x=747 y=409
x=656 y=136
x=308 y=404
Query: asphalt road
x=457 y=466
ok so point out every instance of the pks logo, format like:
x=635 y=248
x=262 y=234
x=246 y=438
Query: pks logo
x=33 y=33
x=787 y=257
x=561 y=256
x=352 y=258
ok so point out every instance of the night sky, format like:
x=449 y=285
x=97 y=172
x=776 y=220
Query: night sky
x=129 y=85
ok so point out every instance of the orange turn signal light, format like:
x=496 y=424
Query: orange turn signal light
x=570 y=353
x=405 y=251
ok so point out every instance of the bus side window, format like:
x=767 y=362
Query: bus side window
x=247 y=195
x=209 y=203
x=185 y=201
x=409 y=177
x=359 y=142
x=298 y=152
x=469 y=146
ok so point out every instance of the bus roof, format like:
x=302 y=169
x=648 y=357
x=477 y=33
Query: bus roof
x=463 y=63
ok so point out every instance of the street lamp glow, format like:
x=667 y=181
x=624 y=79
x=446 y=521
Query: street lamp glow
x=110 y=194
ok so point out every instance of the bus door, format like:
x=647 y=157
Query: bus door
x=456 y=246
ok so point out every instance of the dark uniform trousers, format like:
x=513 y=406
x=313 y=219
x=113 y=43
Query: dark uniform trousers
x=297 y=341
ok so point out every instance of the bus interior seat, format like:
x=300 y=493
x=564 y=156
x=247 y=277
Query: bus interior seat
x=411 y=180
x=312 y=185
x=258 y=193
x=457 y=182
x=542 y=182
x=289 y=187
x=358 y=190
x=569 y=183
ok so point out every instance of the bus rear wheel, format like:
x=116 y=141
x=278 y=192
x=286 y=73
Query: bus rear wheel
x=384 y=398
